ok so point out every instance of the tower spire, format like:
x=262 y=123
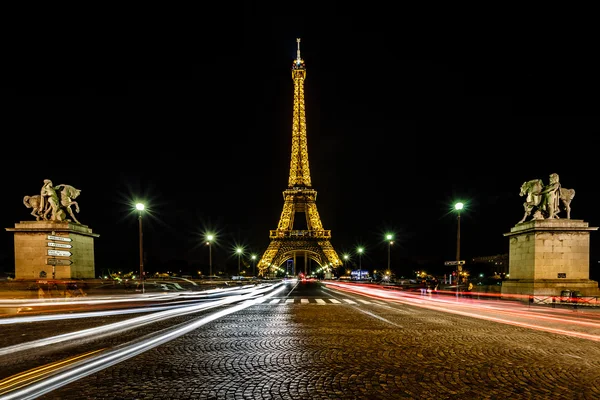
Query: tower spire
x=298 y=59
x=299 y=169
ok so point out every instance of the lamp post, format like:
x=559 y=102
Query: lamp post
x=239 y=252
x=209 y=239
x=360 y=251
x=458 y=206
x=140 y=208
x=389 y=238
x=346 y=258
x=253 y=257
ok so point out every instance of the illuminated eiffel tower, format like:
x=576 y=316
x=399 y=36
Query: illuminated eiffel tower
x=299 y=198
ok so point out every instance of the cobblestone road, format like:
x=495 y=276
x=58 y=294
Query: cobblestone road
x=296 y=350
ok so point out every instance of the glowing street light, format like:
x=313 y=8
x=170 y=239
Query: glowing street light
x=458 y=207
x=140 y=208
x=209 y=239
x=360 y=251
x=389 y=237
x=239 y=252
x=346 y=257
x=253 y=257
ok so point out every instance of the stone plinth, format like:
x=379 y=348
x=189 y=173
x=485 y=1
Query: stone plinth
x=63 y=250
x=548 y=256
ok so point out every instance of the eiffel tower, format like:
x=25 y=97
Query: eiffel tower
x=299 y=198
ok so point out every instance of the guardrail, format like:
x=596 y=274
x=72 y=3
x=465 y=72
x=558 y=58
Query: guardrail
x=584 y=301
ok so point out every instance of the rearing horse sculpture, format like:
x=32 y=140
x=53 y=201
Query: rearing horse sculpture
x=566 y=195
x=67 y=194
x=532 y=189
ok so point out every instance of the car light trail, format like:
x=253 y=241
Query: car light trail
x=72 y=372
x=54 y=317
x=134 y=322
x=5 y=303
x=508 y=313
x=84 y=300
x=93 y=314
x=37 y=374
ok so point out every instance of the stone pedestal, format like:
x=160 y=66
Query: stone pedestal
x=549 y=256
x=53 y=250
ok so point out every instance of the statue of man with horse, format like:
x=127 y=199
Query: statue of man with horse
x=54 y=202
x=545 y=199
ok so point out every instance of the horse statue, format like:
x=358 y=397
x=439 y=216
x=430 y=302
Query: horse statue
x=66 y=194
x=566 y=195
x=533 y=190
x=34 y=202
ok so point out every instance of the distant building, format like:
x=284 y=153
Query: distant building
x=492 y=265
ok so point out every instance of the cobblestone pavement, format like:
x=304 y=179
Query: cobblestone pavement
x=380 y=350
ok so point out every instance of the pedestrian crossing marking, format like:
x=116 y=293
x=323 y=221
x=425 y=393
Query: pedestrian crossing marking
x=349 y=301
x=274 y=301
x=321 y=301
x=365 y=301
x=304 y=301
x=260 y=300
x=289 y=301
x=334 y=301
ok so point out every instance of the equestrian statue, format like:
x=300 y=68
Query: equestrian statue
x=545 y=199
x=54 y=202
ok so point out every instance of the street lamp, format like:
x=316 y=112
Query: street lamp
x=239 y=252
x=360 y=251
x=253 y=257
x=346 y=258
x=209 y=239
x=140 y=208
x=458 y=206
x=389 y=238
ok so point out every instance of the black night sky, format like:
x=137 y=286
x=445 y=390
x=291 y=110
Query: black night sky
x=399 y=127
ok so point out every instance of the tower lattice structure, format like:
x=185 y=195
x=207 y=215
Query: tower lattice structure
x=286 y=242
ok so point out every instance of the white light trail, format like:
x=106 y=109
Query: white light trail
x=134 y=322
x=60 y=301
x=91 y=314
x=99 y=362
x=107 y=301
